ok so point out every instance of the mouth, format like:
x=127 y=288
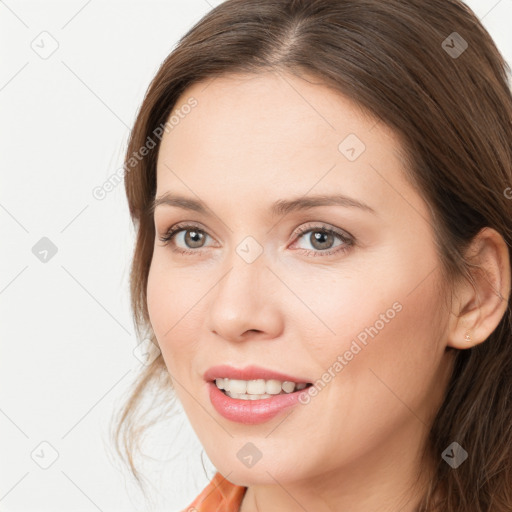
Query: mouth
x=253 y=382
x=257 y=389
x=253 y=395
x=249 y=402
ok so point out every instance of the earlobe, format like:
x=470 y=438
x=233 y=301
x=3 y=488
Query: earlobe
x=482 y=303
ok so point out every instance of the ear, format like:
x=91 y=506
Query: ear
x=480 y=306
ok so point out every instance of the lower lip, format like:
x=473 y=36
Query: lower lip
x=251 y=412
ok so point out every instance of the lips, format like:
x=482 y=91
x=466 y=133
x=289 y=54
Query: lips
x=257 y=410
x=252 y=412
x=249 y=373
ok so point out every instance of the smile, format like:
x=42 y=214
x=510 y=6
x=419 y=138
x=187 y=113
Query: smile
x=257 y=389
x=252 y=395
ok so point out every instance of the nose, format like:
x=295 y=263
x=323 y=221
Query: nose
x=245 y=303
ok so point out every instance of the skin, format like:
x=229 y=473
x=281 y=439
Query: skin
x=256 y=139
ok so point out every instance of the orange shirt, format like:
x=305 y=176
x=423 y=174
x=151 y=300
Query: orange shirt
x=220 y=495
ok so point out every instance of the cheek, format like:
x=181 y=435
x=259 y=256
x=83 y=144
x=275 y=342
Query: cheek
x=393 y=353
x=175 y=312
x=159 y=300
x=338 y=308
x=381 y=324
x=382 y=368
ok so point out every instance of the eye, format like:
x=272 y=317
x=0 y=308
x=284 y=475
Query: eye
x=322 y=239
x=190 y=235
x=192 y=239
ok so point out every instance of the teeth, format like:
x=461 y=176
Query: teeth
x=258 y=388
x=237 y=386
x=273 y=387
x=244 y=396
x=288 y=387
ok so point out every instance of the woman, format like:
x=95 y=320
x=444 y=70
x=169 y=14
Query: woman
x=323 y=203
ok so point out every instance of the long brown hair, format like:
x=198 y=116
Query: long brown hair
x=447 y=96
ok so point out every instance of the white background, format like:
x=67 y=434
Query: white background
x=66 y=331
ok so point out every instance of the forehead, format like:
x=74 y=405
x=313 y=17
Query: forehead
x=262 y=104
x=255 y=134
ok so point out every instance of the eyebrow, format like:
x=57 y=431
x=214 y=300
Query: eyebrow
x=280 y=207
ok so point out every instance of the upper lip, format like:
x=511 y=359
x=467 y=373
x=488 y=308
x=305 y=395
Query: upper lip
x=248 y=373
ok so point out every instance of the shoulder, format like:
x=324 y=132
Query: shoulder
x=220 y=495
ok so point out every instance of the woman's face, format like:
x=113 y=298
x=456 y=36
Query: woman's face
x=261 y=162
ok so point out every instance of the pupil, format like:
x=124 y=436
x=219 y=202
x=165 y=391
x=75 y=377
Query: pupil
x=193 y=237
x=318 y=236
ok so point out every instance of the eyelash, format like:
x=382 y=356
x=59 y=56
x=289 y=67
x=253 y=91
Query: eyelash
x=301 y=231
